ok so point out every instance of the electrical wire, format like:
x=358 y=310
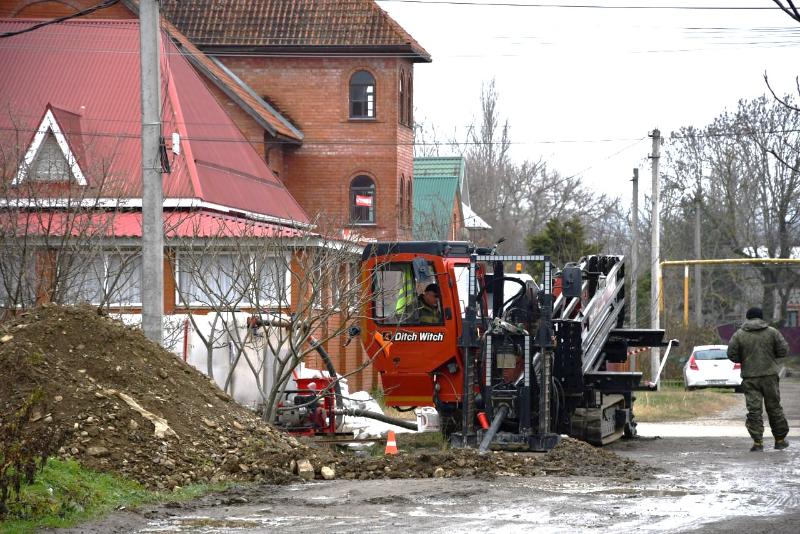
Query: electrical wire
x=771 y=45
x=83 y=12
x=371 y=143
x=638 y=7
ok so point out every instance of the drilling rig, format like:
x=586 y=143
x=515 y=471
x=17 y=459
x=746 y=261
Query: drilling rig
x=505 y=372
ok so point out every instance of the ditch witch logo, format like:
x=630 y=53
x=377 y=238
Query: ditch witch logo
x=413 y=336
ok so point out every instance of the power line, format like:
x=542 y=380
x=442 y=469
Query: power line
x=312 y=142
x=638 y=7
x=351 y=143
x=718 y=47
x=87 y=11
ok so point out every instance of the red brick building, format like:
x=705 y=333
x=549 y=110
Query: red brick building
x=322 y=89
x=336 y=74
x=341 y=71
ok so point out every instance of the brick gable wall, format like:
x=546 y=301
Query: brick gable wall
x=314 y=93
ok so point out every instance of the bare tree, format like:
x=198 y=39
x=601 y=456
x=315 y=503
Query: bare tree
x=746 y=165
x=265 y=294
x=517 y=199
x=57 y=225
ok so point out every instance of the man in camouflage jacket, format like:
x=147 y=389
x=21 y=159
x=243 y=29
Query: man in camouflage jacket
x=757 y=346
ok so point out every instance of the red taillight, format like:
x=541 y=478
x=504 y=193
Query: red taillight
x=693 y=364
x=737 y=366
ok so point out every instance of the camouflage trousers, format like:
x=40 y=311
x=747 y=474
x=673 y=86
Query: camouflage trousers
x=764 y=390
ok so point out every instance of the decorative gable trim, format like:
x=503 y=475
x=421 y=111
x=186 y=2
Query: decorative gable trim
x=49 y=125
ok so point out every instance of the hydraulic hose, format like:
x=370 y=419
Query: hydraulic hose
x=337 y=388
x=355 y=412
x=502 y=412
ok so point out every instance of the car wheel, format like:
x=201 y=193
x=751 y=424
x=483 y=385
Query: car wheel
x=690 y=388
x=738 y=389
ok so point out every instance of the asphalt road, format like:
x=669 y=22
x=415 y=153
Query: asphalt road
x=709 y=482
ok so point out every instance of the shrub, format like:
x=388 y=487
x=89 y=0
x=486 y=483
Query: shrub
x=25 y=446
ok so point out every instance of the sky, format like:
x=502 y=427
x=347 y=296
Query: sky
x=583 y=87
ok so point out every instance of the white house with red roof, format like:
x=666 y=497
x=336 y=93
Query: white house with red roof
x=70 y=164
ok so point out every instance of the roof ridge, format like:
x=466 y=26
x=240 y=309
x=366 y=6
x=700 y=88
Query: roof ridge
x=218 y=73
x=308 y=24
x=397 y=27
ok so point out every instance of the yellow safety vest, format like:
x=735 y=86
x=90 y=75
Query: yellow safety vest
x=407 y=293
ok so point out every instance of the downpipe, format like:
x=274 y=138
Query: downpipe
x=502 y=412
x=355 y=412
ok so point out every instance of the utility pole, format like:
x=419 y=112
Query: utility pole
x=152 y=193
x=698 y=255
x=634 y=256
x=655 y=256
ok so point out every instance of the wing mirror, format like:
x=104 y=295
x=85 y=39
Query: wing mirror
x=421 y=271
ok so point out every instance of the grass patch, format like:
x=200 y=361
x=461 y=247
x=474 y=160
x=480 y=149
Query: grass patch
x=65 y=494
x=792 y=363
x=421 y=440
x=412 y=442
x=672 y=404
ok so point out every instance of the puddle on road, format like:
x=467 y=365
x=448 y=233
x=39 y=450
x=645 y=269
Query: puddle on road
x=690 y=494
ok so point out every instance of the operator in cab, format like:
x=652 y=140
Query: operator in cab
x=428 y=310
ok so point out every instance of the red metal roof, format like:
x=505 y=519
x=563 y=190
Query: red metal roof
x=271 y=120
x=88 y=71
x=191 y=224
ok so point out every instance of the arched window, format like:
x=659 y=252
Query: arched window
x=410 y=204
x=401 y=208
x=403 y=118
x=362 y=200
x=362 y=95
x=409 y=102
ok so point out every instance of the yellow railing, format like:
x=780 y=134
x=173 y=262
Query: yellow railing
x=687 y=263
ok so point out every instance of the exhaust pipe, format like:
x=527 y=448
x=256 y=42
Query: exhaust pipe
x=493 y=428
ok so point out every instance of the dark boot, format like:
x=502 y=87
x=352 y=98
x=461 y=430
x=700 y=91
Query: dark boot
x=758 y=446
x=781 y=444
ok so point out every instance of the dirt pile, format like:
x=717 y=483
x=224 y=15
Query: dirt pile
x=568 y=458
x=133 y=408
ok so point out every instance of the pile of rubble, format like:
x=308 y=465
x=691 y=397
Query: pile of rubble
x=133 y=408
x=569 y=458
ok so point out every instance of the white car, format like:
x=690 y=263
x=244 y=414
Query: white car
x=709 y=366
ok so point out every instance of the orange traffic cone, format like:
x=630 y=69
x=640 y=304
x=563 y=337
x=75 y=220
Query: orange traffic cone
x=391 y=444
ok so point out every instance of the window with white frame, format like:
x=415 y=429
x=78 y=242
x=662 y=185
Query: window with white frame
x=113 y=278
x=272 y=282
x=208 y=278
x=362 y=200
x=50 y=164
x=362 y=95
x=234 y=279
x=80 y=278
x=17 y=280
x=124 y=279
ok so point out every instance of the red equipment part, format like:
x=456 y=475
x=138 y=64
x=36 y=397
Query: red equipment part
x=322 y=418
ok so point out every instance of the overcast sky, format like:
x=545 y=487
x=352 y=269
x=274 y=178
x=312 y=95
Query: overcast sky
x=583 y=87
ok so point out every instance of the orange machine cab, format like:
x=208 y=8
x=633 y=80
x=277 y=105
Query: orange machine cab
x=422 y=362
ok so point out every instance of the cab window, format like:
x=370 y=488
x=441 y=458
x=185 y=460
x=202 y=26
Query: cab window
x=462 y=285
x=461 y=272
x=400 y=297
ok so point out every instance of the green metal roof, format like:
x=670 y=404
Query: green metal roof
x=436 y=183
